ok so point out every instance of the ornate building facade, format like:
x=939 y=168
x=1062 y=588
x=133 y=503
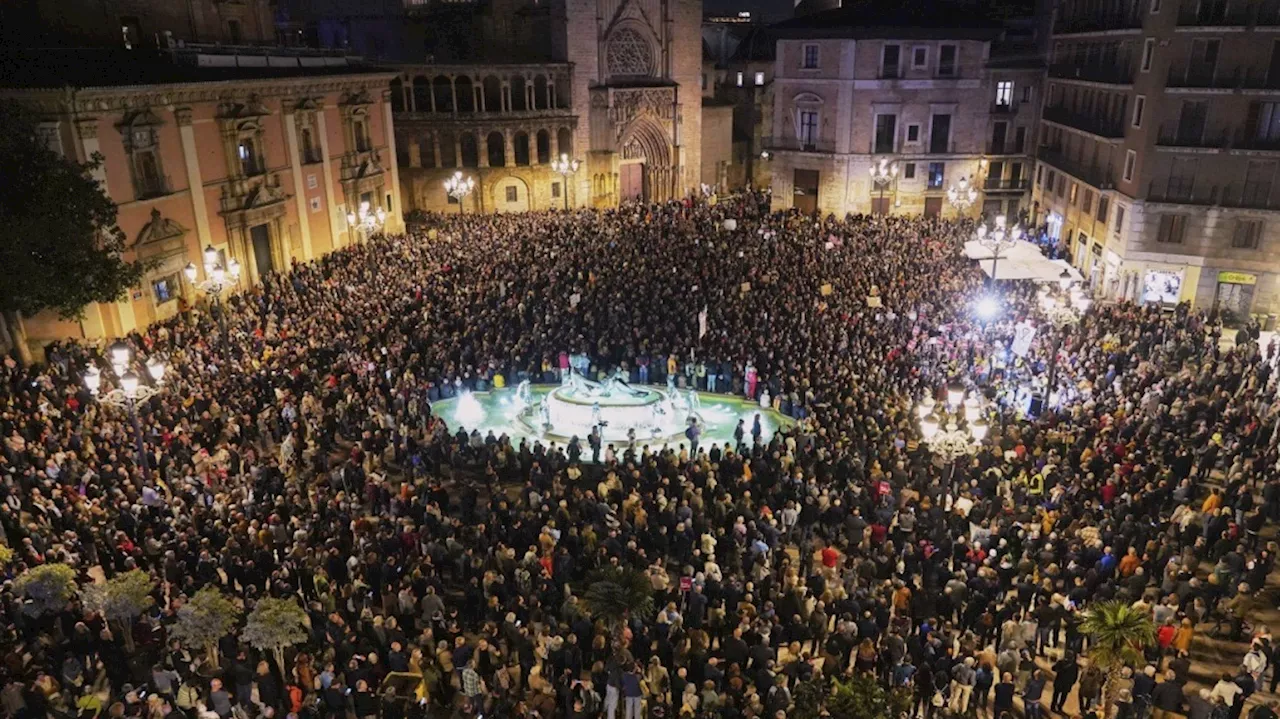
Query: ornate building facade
x=620 y=93
x=262 y=168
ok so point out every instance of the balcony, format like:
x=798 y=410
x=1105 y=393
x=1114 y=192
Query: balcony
x=1010 y=147
x=1006 y=108
x=1106 y=22
x=1197 y=138
x=1250 y=141
x=1245 y=195
x=1259 y=79
x=1249 y=196
x=1101 y=127
x=1214 y=14
x=791 y=144
x=1203 y=77
x=1098 y=176
x=997 y=184
x=1112 y=74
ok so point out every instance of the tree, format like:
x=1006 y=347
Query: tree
x=862 y=697
x=59 y=243
x=807 y=698
x=1117 y=633
x=121 y=599
x=46 y=589
x=275 y=625
x=204 y=621
x=615 y=595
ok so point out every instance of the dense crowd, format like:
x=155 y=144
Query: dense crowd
x=293 y=453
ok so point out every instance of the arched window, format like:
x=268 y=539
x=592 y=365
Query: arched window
x=247 y=153
x=309 y=153
x=497 y=149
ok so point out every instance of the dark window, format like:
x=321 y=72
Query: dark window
x=913 y=133
x=512 y=193
x=999 y=133
x=1104 y=204
x=947 y=60
x=886 y=133
x=1246 y=234
x=909 y=171
x=889 y=62
x=810 y=57
x=940 y=134
x=233 y=31
x=248 y=154
x=1020 y=140
x=1173 y=228
x=555 y=189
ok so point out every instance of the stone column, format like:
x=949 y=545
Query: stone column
x=528 y=93
x=406 y=90
x=482 y=146
x=337 y=222
x=506 y=96
x=395 y=213
x=195 y=183
x=532 y=132
x=299 y=188
x=415 y=154
x=435 y=149
x=453 y=92
x=509 y=156
x=457 y=149
x=553 y=143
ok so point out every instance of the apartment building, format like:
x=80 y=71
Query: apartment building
x=928 y=94
x=1159 y=147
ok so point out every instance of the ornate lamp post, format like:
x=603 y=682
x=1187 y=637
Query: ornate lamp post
x=565 y=167
x=1062 y=311
x=996 y=239
x=962 y=195
x=366 y=220
x=883 y=173
x=217 y=279
x=130 y=392
x=955 y=429
x=458 y=187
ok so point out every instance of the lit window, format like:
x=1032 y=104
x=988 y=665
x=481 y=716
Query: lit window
x=1004 y=93
x=759 y=78
x=739 y=79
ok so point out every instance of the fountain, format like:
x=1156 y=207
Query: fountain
x=614 y=406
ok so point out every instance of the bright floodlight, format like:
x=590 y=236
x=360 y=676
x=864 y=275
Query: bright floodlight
x=129 y=383
x=155 y=368
x=987 y=308
x=929 y=427
x=955 y=394
x=93 y=379
x=470 y=413
x=978 y=428
x=120 y=353
x=190 y=271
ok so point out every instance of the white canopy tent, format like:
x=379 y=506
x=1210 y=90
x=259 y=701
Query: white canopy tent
x=1019 y=261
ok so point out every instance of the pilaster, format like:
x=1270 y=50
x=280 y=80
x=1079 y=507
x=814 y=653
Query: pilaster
x=299 y=188
x=195 y=181
x=337 y=223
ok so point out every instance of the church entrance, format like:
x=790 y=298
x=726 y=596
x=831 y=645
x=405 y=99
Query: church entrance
x=631 y=182
x=260 y=236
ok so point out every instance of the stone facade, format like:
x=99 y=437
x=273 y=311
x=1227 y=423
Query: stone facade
x=622 y=97
x=717 y=143
x=1159 y=151
x=930 y=102
x=263 y=170
x=135 y=24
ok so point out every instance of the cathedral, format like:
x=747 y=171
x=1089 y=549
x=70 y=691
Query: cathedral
x=612 y=84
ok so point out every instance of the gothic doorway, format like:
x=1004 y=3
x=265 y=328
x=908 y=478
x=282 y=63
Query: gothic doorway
x=631 y=182
x=260 y=237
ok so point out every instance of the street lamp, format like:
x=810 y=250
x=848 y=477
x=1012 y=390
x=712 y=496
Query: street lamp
x=130 y=392
x=996 y=239
x=458 y=187
x=1063 y=310
x=962 y=195
x=956 y=429
x=217 y=279
x=565 y=167
x=366 y=220
x=883 y=173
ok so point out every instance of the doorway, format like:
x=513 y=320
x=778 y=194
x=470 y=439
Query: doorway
x=806 y=191
x=933 y=207
x=260 y=235
x=1234 y=302
x=631 y=181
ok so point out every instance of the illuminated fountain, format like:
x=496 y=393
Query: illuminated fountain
x=615 y=406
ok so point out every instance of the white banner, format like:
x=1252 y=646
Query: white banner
x=1023 y=335
x=702 y=322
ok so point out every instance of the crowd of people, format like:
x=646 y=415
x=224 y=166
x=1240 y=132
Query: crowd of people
x=293 y=453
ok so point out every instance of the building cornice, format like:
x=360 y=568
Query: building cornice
x=125 y=97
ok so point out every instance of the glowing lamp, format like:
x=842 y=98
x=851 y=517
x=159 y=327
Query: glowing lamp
x=129 y=383
x=156 y=369
x=93 y=379
x=955 y=394
x=190 y=271
x=929 y=427
x=978 y=429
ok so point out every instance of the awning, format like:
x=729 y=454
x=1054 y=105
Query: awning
x=1020 y=261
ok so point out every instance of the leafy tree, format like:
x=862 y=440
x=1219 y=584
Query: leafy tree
x=59 y=243
x=275 y=625
x=46 y=589
x=807 y=699
x=615 y=595
x=121 y=599
x=862 y=697
x=1117 y=633
x=204 y=620
x=6 y=555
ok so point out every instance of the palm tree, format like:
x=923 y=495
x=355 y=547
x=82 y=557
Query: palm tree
x=615 y=595
x=1117 y=635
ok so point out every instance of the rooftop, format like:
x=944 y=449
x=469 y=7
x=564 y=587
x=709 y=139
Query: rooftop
x=910 y=19
x=83 y=67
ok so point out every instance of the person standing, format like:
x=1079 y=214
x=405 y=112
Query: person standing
x=1032 y=694
x=1002 y=701
x=631 y=692
x=1065 y=674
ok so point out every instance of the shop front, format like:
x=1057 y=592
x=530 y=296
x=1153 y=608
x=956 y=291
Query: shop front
x=1234 y=295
